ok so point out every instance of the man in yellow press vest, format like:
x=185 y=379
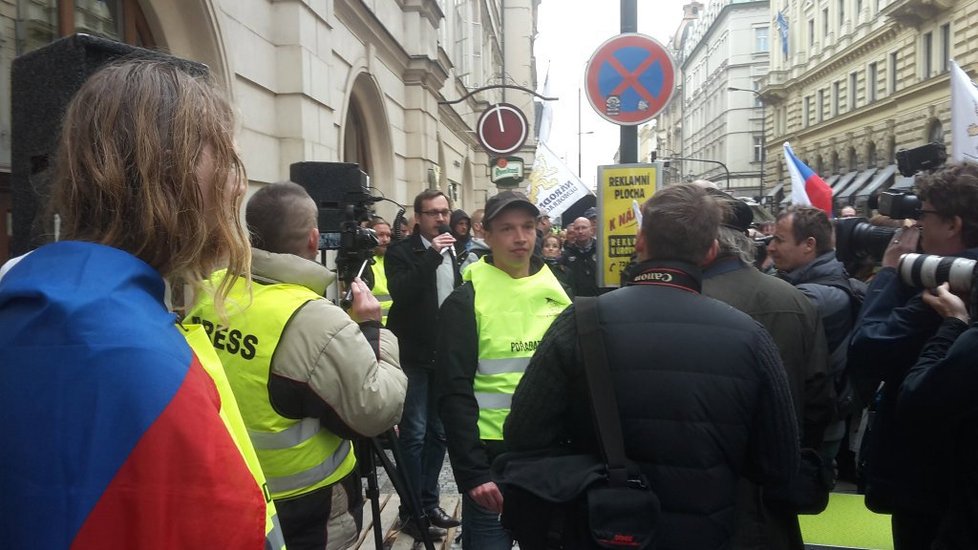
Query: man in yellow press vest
x=488 y=329
x=383 y=230
x=308 y=378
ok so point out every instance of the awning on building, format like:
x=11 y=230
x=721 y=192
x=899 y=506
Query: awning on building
x=882 y=180
x=856 y=184
x=830 y=181
x=842 y=182
x=902 y=183
x=773 y=192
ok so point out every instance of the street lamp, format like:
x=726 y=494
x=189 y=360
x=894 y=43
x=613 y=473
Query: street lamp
x=763 y=130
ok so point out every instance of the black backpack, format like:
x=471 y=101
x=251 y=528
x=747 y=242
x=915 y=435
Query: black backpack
x=848 y=398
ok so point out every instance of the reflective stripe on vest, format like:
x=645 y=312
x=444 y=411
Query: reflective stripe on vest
x=509 y=332
x=288 y=449
x=380 y=290
x=500 y=366
x=289 y=437
x=309 y=477
x=197 y=339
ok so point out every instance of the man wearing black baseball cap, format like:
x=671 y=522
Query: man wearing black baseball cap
x=485 y=342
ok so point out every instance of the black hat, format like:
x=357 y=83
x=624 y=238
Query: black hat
x=591 y=213
x=739 y=216
x=507 y=199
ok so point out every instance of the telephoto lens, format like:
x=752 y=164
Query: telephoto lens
x=856 y=238
x=931 y=271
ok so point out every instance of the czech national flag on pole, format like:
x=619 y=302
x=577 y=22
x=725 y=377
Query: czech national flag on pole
x=807 y=187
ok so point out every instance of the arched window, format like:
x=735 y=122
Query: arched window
x=853 y=158
x=356 y=146
x=836 y=169
x=871 y=155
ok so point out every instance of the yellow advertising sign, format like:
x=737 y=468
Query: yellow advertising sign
x=619 y=186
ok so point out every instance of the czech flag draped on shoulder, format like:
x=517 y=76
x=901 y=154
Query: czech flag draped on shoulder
x=807 y=187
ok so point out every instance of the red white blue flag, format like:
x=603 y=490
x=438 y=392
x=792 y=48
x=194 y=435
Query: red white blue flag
x=112 y=431
x=807 y=187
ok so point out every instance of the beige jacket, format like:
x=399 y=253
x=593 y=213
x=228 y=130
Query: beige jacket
x=326 y=366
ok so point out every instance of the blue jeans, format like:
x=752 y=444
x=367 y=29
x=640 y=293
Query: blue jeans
x=422 y=437
x=481 y=529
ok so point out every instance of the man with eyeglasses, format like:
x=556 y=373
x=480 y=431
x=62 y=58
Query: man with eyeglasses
x=421 y=272
x=907 y=459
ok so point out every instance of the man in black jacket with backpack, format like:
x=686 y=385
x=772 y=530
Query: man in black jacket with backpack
x=702 y=396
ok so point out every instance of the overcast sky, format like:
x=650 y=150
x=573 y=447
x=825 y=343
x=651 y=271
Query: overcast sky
x=569 y=31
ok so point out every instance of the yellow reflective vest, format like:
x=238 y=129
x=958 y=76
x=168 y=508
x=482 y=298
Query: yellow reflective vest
x=297 y=455
x=380 y=288
x=511 y=316
x=231 y=415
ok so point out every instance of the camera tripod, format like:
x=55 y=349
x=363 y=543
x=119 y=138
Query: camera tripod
x=371 y=450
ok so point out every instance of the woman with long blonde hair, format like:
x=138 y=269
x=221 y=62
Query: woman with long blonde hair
x=119 y=433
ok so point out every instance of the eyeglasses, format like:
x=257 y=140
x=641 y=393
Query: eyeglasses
x=437 y=213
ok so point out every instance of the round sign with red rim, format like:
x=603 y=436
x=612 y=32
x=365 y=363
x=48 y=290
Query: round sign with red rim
x=502 y=129
x=630 y=79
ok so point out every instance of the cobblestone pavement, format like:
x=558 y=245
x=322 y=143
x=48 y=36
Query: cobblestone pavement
x=445 y=480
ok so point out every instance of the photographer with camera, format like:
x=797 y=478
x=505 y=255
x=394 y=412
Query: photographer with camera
x=940 y=389
x=906 y=456
x=307 y=377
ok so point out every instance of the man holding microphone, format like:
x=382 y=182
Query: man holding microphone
x=421 y=272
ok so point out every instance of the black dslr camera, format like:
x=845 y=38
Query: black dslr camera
x=905 y=204
x=342 y=194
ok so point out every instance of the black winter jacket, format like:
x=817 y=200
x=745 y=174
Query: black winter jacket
x=906 y=457
x=701 y=392
x=582 y=268
x=413 y=318
x=940 y=389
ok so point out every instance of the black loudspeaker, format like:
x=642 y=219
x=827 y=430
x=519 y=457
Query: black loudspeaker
x=334 y=186
x=43 y=83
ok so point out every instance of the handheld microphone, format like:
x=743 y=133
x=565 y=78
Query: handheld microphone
x=451 y=248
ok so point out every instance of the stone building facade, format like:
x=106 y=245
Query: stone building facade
x=324 y=80
x=860 y=80
x=725 y=58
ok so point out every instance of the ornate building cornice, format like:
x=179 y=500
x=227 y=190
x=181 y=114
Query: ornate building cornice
x=914 y=12
x=364 y=23
x=429 y=9
x=426 y=72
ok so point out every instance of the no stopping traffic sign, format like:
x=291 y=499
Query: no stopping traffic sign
x=630 y=79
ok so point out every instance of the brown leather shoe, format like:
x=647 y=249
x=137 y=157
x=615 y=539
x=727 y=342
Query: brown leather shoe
x=440 y=518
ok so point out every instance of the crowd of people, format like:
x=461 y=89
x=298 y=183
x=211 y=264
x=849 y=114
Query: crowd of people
x=174 y=379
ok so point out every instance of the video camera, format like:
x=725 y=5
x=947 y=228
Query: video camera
x=342 y=195
x=905 y=204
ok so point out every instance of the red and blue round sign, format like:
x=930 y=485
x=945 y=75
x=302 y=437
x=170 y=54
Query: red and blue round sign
x=630 y=79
